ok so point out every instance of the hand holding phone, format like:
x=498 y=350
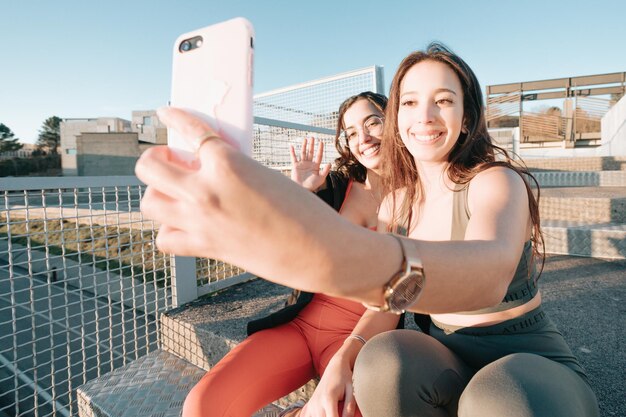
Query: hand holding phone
x=212 y=77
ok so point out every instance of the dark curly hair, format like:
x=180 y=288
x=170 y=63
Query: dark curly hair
x=346 y=163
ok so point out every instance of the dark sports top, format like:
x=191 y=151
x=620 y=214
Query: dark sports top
x=523 y=287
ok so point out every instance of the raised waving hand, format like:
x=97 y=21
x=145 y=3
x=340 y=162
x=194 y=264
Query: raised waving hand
x=307 y=170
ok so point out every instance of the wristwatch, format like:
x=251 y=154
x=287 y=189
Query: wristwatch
x=405 y=286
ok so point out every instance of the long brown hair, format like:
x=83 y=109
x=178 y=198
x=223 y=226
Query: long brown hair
x=346 y=163
x=473 y=152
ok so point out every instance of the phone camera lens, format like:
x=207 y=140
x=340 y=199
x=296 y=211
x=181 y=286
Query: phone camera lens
x=185 y=46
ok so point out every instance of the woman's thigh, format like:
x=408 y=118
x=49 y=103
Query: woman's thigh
x=525 y=385
x=408 y=373
x=264 y=367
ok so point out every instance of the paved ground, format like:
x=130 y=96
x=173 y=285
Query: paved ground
x=586 y=298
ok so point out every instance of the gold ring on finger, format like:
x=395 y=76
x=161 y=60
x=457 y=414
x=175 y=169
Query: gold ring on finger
x=201 y=140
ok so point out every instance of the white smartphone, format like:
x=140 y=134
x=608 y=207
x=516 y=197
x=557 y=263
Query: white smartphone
x=212 y=75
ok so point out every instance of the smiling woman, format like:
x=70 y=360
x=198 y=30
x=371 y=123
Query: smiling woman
x=448 y=186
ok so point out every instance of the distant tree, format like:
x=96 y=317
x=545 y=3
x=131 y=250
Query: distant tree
x=50 y=135
x=8 y=141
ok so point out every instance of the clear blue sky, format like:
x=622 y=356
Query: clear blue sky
x=107 y=58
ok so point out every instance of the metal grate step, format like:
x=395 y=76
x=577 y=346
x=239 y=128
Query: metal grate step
x=591 y=163
x=581 y=178
x=155 y=385
x=585 y=204
x=607 y=240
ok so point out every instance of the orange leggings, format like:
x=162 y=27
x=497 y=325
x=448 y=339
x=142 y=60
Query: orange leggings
x=274 y=362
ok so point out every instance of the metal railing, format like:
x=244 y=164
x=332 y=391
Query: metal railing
x=82 y=284
x=81 y=287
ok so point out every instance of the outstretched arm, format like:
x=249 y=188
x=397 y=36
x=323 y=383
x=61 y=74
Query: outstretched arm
x=231 y=208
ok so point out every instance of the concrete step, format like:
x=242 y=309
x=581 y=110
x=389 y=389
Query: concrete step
x=203 y=331
x=581 y=178
x=593 y=163
x=584 y=204
x=603 y=240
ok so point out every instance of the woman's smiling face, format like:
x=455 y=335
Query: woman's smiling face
x=430 y=113
x=362 y=123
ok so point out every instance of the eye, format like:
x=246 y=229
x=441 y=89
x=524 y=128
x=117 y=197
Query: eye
x=351 y=135
x=444 y=101
x=407 y=103
x=373 y=123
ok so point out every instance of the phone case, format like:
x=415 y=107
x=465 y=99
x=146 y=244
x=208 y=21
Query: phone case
x=213 y=77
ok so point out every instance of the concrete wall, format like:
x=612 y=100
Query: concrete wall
x=72 y=128
x=78 y=157
x=148 y=127
x=106 y=153
x=613 y=126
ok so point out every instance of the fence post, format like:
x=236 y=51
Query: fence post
x=184 y=283
x=516 y=141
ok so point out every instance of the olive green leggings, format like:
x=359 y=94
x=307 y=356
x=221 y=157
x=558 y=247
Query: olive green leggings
x=408 y=373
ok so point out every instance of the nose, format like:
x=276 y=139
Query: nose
x=364 y=137
x=425 y=113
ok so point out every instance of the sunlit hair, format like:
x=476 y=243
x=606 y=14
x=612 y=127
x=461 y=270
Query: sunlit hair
x=474 y=151
x=347 y=163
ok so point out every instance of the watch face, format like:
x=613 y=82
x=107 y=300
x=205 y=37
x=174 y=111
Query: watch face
x=406 y=291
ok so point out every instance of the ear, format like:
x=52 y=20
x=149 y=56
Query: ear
x=464 y=130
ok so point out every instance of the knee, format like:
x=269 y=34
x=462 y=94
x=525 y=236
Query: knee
x=519 y=384
x=195 y=404
x=379 y=361
x=485 y=394
x=379 y=375
x=404 y=372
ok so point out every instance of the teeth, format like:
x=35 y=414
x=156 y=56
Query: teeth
x=370 y=151
x=426 y=138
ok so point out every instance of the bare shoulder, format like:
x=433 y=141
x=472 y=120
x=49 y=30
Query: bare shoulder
x=497 y=185
x=499 y=177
